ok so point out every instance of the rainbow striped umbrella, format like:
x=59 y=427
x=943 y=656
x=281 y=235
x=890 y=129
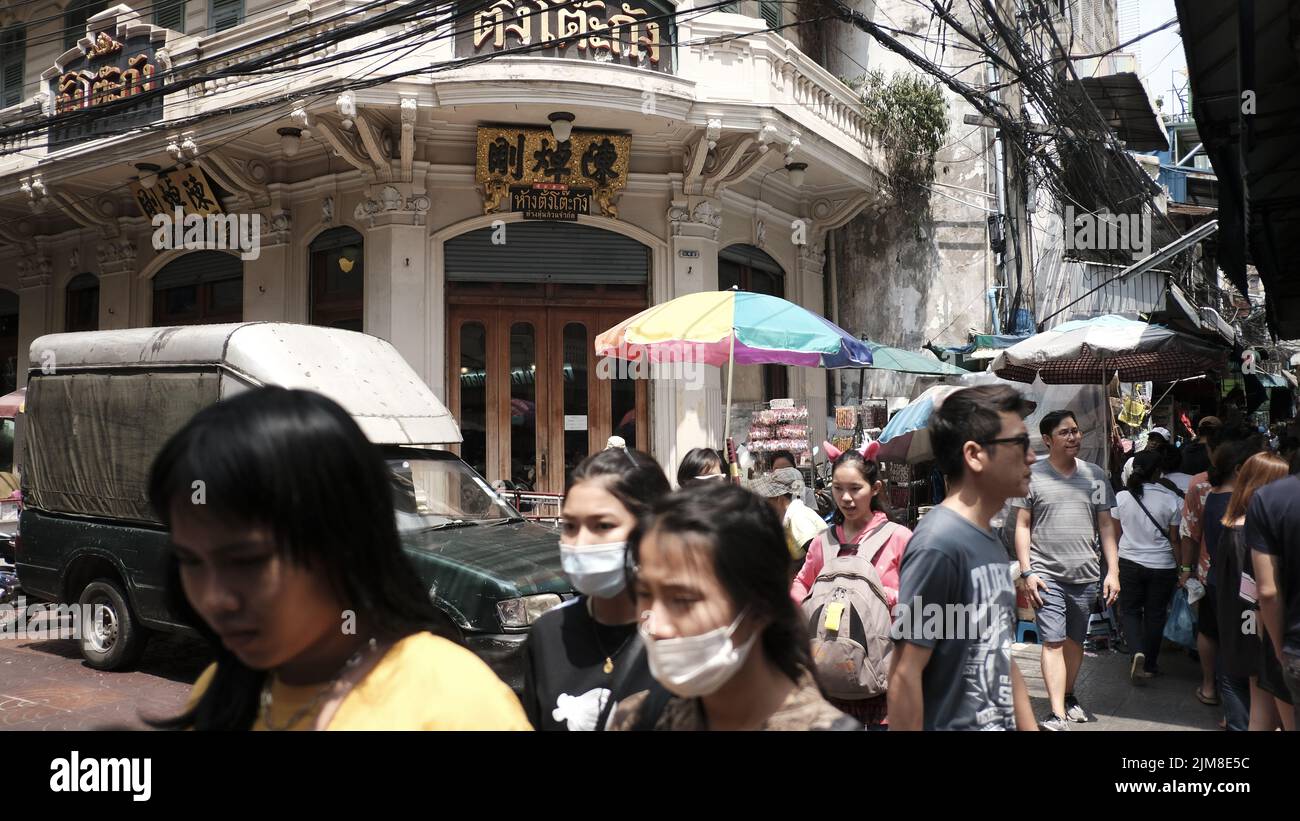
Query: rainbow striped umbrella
x=733 y=327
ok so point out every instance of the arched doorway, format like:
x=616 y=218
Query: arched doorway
x=9 y=363
x=200 y=288
x=750 y=268
x=336 y=288
x=523 y=318
x=81 y=303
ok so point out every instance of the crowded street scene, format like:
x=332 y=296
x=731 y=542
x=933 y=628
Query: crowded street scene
x=523 y=366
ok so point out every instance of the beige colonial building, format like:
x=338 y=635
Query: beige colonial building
x=439 y=209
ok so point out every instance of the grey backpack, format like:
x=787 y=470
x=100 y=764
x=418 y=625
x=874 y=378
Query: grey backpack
x=848 y=616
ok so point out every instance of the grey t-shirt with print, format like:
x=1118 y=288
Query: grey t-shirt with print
x=1064 y=540
x=958 y=599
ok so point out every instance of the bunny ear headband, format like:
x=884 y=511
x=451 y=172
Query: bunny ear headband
x=868 y=451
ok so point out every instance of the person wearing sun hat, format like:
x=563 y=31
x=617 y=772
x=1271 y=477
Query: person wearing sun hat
x=783 y=490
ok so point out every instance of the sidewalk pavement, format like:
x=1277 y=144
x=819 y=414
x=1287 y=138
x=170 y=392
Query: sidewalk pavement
x=1167 y=702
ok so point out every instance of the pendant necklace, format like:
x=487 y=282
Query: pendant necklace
x=609 y=659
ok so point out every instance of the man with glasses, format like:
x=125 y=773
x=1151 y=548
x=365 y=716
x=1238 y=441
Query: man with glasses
x=957 y=673
x=1059 y=526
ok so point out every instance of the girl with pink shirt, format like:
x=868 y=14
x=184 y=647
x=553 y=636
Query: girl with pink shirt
x=859 y=512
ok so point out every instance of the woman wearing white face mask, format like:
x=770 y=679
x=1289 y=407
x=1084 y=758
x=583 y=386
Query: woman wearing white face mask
x=721 y=632
x=584 y=656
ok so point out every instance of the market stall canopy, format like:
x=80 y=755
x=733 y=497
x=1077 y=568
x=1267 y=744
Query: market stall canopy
x=767 y=330
x=1259 y=212
x=1090 y=351
x=733 y=328
x=886 y=358
x=1125 y=107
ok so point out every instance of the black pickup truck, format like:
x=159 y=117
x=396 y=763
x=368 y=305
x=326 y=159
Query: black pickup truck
x=87 y=535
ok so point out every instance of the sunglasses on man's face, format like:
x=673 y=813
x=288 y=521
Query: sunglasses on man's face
x=1022 y=440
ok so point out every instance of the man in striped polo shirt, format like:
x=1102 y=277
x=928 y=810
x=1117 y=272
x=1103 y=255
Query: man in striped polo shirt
x=1060 y=527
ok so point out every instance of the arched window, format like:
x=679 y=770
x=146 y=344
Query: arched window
x=81 y=306
x=199 y=288
x=75 y=17
x=338 y=277
x=752 y=269
x=9 y=341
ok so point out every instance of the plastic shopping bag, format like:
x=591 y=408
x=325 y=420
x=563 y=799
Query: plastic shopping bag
x=1181 y=626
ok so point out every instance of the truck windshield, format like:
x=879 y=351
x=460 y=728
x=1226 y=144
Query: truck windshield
x=436 y=492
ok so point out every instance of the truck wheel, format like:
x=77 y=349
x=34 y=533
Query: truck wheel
x=112 y=639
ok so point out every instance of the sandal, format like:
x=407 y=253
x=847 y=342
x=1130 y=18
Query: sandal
x=1209 y=701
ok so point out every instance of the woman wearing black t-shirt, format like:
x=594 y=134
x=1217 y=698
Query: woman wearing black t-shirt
x=585 y=656
x=1242 y=649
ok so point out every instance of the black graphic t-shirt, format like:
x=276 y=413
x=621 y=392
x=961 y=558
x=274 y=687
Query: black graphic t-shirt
x=565 y=683
x=957 y=597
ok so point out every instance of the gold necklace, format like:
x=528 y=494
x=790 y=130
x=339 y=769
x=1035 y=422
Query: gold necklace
x=595 y=626
x=266 y=699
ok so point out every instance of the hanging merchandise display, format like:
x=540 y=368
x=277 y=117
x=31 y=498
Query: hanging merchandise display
x=1136 y=404
x=780 y=428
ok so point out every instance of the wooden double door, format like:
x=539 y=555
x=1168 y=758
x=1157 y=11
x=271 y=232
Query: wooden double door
x=528 y=394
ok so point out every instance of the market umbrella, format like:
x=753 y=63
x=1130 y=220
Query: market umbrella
x=886 y=358
x=906 y=438
x=1091 y=351
x=735 y=328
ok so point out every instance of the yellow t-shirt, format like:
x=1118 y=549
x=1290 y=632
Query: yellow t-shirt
x=423 y=682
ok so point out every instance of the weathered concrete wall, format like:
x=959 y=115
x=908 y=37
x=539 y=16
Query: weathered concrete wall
x=911 y=273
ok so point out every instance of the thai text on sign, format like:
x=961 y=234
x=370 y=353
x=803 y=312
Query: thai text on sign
x=634 y=34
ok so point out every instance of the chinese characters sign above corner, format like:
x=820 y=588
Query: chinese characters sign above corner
x=638 y=34
x=108 y=71
x=547 y=179
x=185 y=188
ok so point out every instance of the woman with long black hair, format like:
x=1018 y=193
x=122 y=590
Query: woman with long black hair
x=583 y=657
x=700 y=465
x=861 y=519
x=286 y=559
x=722 y=635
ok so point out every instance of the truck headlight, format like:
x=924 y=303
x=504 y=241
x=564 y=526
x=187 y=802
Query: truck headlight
x=523 y=611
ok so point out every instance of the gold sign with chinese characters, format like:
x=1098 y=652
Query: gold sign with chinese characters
x=185 y=188
x=548 y=179
x=637 y=34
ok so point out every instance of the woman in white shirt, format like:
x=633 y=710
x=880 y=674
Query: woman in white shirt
x=1147 y=515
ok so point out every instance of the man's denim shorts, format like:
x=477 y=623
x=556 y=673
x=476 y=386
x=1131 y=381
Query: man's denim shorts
x=1065 y=611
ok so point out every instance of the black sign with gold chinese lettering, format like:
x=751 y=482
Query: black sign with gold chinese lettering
x=639 y=34
x=185 y=188
x=110 y=70
x=531 y=165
